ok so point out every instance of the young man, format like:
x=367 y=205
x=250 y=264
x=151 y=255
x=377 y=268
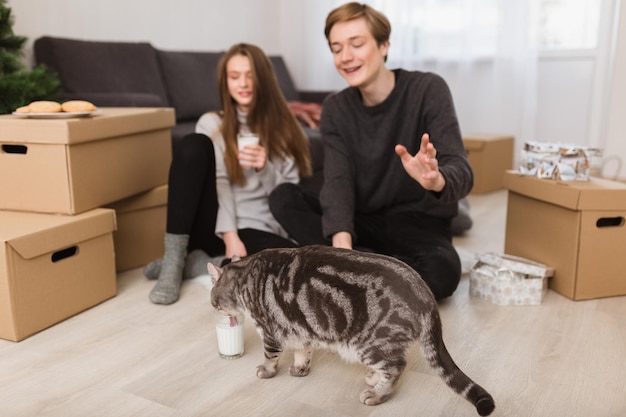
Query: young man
x=394 y=162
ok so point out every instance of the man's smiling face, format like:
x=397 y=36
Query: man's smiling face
x=357 y=56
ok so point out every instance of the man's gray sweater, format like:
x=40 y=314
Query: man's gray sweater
x=362 y=172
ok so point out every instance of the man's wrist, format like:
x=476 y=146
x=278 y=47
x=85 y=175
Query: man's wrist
x=342 y=240
x=440 y=183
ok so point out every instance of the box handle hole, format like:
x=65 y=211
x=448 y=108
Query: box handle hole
x=64 y=254
x=16 y=149
x=610 y=222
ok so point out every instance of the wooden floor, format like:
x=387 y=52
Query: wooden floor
x=128 y=357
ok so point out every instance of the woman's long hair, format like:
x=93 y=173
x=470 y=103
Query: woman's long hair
x=269 y=116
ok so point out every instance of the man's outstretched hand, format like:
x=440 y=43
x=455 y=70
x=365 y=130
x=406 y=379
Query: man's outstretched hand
x=423 y=167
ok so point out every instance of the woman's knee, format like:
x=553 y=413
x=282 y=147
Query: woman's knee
x=193 y=147
x=283 y=197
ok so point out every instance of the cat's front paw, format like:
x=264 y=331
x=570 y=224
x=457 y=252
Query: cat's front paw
x=369 y=397
x=264 y=373
x=299 y=370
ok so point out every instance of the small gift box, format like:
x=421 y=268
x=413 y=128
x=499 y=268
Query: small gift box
x=557 y=161
x=509 y=280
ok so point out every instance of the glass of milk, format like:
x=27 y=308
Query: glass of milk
x=229 y=330
x=246 y=139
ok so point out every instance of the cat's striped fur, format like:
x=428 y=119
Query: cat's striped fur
x=368 y=308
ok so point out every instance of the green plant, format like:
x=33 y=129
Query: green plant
x=18 y=85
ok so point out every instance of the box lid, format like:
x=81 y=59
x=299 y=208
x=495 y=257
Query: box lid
x=154 y=198
x=516 y=264
x=35 y=234
x=475 y=142
x=111 y=122
x=595 y=194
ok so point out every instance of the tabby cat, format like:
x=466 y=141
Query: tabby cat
x=369 y=308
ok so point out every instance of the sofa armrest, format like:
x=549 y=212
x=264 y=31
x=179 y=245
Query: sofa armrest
x=116 y=99
x=308 y=114
x=313 y=96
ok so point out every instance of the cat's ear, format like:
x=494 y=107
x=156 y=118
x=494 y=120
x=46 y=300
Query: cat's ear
x=214 y=272
x=235 y=258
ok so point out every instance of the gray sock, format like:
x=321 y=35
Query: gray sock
x=153 y=269
x=196 y=263
x=167 y=288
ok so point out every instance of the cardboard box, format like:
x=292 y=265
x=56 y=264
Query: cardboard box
x=578 y=228
x=53 y=267
x=141 y=223
x=509 y=280
x=490 y=156
x=69 y=166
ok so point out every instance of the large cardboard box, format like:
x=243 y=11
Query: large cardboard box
x=53 y=267
x=578 y=228
x=141 y=223
x=69 y=166
x=490 y=156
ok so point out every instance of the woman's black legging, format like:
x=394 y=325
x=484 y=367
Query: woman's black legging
x=192 y=194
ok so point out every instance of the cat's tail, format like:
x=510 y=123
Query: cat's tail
x=437 y=354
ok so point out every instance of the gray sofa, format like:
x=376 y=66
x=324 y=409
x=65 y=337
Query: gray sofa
x=136 y=74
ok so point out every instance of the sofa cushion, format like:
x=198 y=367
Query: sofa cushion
x=191 y=80
x=284 y=79
x=102 y=67
x=115 y=99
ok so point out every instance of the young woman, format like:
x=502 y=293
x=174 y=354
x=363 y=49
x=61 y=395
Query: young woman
x=218 y=194
x=394 y=162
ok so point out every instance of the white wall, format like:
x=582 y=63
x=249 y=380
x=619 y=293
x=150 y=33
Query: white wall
x=614 y=138
x=299 y=17
x=579 y=100
x=564 y=94
x=177 y=25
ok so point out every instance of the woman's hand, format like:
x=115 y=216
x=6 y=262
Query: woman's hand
x=423 y=167
x=252 y=156
x=234 y=245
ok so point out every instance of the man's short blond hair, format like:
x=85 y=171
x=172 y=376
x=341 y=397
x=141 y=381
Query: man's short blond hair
x=377 y=22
